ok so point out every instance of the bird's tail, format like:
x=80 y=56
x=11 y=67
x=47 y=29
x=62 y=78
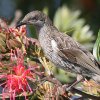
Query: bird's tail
x=96 y=78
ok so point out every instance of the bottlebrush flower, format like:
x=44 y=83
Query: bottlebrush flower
x=17 y=82
x=18 y=31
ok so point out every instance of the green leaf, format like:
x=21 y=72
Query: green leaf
x=32 y=31
x=96 y=49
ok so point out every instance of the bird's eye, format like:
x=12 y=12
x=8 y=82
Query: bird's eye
x=41 y=20
x=34 y=18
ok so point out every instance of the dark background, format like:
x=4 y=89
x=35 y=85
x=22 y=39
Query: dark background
x=90 y=9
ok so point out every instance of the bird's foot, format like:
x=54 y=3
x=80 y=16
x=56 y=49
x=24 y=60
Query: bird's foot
x=79 y=79
x=68 y=88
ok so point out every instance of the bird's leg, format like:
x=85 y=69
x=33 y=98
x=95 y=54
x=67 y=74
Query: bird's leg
x=79 y=79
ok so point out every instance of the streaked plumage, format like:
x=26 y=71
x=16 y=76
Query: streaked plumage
x=61 y=49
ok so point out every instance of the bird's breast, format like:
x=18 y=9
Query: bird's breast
x=45 y=42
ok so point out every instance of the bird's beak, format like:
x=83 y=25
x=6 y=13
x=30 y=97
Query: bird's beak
x=20 y=24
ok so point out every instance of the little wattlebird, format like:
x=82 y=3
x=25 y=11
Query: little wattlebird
x=61 y=49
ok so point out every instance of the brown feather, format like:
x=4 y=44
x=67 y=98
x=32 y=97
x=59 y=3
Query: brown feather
x=75 y=53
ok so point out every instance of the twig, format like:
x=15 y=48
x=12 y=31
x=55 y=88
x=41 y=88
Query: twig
x=73 y=90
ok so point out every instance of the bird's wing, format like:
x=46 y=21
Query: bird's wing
x=70 y=50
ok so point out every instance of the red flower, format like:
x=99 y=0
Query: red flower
x=17 y=82
x=18 y=32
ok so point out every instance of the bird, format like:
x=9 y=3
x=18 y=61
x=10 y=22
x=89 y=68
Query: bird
x=61 y=49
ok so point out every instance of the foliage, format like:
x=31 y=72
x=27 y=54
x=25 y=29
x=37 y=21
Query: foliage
x=68 y=21
x=96 y=49
x=24 y=70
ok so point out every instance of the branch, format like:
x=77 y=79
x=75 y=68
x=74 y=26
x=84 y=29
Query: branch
x=73 y=90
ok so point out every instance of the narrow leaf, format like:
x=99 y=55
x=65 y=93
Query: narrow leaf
x=96 y=49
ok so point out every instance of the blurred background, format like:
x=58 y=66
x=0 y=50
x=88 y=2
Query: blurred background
x=90 y=9
x=78 y=18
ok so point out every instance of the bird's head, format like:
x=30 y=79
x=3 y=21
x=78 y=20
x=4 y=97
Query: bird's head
x=36 y=18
